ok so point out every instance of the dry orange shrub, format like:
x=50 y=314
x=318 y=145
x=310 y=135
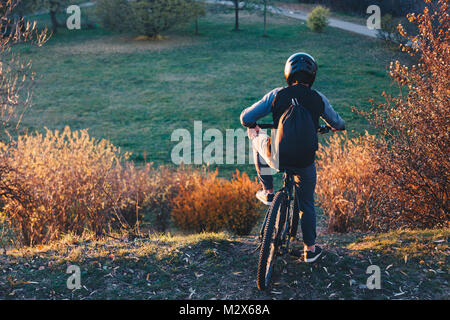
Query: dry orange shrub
x=400 y=179
x=67 y=182
x=166 y=183
x=416 y=124
x=349 y=183
x=214 y=204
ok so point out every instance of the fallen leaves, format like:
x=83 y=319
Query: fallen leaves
x=276 y=292
x=192 y=292
x=399 y=293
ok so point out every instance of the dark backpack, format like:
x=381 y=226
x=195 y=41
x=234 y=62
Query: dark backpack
x=296 y=137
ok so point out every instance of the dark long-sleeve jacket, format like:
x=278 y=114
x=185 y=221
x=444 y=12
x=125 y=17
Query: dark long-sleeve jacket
x=265 y=106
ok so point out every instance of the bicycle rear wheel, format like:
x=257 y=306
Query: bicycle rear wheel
x=269 y=248
x=295 y=217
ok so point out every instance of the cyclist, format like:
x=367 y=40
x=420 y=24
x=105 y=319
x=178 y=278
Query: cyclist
x=300 y=74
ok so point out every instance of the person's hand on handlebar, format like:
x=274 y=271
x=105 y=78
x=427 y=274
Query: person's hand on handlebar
x=253 y=132
x=336 y=130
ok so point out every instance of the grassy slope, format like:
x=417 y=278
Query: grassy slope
x=136 y=94
x=414 y=265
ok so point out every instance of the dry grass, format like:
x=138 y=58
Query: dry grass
x=125 y=44
x=65 y=181
x=349 y=185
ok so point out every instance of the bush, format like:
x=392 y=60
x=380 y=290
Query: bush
x=214 y=204
x=393 y=7
x=318 y=19
x=415 y=124
x=114 y=15
x=349 y=183
x=166 y=185
x=402 y=178
x=388 y=31
x=146 y=17
x=67 y=181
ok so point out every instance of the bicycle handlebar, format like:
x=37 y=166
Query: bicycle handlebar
x=322 y=129
x=265 y=125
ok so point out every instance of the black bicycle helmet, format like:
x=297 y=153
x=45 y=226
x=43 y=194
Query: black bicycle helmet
x=300 y=67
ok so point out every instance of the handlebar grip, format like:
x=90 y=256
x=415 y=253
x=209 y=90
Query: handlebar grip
x=324 y=129
x=266 y=125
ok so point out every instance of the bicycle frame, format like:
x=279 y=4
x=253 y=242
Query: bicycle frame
x=289 y=188
x=288 y=183
x=279 y=223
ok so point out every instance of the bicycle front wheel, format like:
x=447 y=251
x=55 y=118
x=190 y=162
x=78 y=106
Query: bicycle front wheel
x=271 y=240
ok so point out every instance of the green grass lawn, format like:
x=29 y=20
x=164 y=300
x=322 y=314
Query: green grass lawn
x=135 y=93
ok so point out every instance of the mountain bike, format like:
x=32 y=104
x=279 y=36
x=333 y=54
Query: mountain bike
x=280 y=223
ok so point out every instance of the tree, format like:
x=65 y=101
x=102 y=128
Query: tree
x=147 y=17
x=198 y=10
x=23 y=7
x=236 y=15
x=266 y=2
x=416 y=144
x=53 y=6
x=258 y=5
x=254 y=6
x=15 y=75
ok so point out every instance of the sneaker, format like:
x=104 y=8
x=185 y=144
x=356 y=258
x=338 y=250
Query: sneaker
x=265 y=197
x=310 y=256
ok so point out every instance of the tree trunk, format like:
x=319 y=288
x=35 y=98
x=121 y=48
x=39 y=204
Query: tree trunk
x=236 y=13
x=54 y=7
x=54 y=21
x=196 y=25
x=265 y=18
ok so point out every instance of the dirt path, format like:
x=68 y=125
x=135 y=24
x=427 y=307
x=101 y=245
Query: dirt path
x=413 y=265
